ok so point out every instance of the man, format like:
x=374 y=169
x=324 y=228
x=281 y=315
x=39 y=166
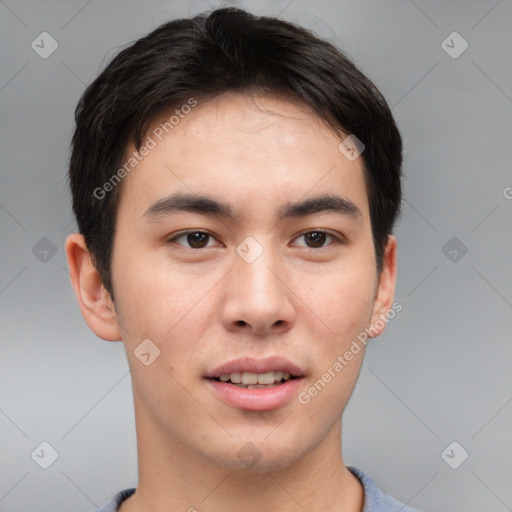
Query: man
x=235 y=182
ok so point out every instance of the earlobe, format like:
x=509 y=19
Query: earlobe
x=385 y=290
x=94 y=300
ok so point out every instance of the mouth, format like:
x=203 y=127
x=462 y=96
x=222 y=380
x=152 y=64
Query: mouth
x=256 y=385
x=250 y=380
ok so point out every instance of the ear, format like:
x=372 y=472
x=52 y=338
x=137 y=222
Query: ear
x=94 y=300
x=385 y=290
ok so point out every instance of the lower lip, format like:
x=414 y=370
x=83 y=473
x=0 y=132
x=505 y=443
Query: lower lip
x=262 y=399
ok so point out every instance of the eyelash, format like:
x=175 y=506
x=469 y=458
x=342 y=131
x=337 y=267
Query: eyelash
x=337 y=239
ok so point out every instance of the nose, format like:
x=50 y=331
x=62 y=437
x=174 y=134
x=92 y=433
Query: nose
x=258 y=298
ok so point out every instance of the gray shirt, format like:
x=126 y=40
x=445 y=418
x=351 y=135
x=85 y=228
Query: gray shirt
x=374 y=499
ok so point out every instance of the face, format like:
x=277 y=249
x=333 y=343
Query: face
x=226 y=260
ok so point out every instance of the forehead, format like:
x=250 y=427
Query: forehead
x=239 y=146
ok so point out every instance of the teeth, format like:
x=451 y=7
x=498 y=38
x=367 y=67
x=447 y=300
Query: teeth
x=250 y=379
x=265 y=378
x=236 y=378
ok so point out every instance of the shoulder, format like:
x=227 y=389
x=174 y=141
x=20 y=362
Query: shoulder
x=374 y=499
x=113 y=504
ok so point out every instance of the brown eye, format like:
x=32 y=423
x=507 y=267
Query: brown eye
x=316 y=239
x=194 y=239
x=197 y=240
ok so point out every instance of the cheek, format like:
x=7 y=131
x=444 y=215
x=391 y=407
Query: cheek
x=342 y=301
x=342 y=309
x=157 y=299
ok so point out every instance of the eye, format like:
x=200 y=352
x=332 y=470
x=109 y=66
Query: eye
x=317 y=238
x=199 y=239
x=195 y=239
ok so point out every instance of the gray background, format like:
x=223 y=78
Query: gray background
x=440 y=373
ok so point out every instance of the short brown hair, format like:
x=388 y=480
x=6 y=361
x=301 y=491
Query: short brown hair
x=210 y=54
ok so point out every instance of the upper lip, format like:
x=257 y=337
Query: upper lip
x=249 y=364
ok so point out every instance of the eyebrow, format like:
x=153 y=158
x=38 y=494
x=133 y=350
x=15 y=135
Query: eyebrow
x=204 y=205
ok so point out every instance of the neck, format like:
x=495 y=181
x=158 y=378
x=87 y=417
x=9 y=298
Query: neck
x=174 y=477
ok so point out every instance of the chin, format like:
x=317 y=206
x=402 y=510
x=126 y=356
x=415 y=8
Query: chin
x=257 y=458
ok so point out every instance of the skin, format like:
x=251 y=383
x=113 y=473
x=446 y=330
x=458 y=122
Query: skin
x=205 y=306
